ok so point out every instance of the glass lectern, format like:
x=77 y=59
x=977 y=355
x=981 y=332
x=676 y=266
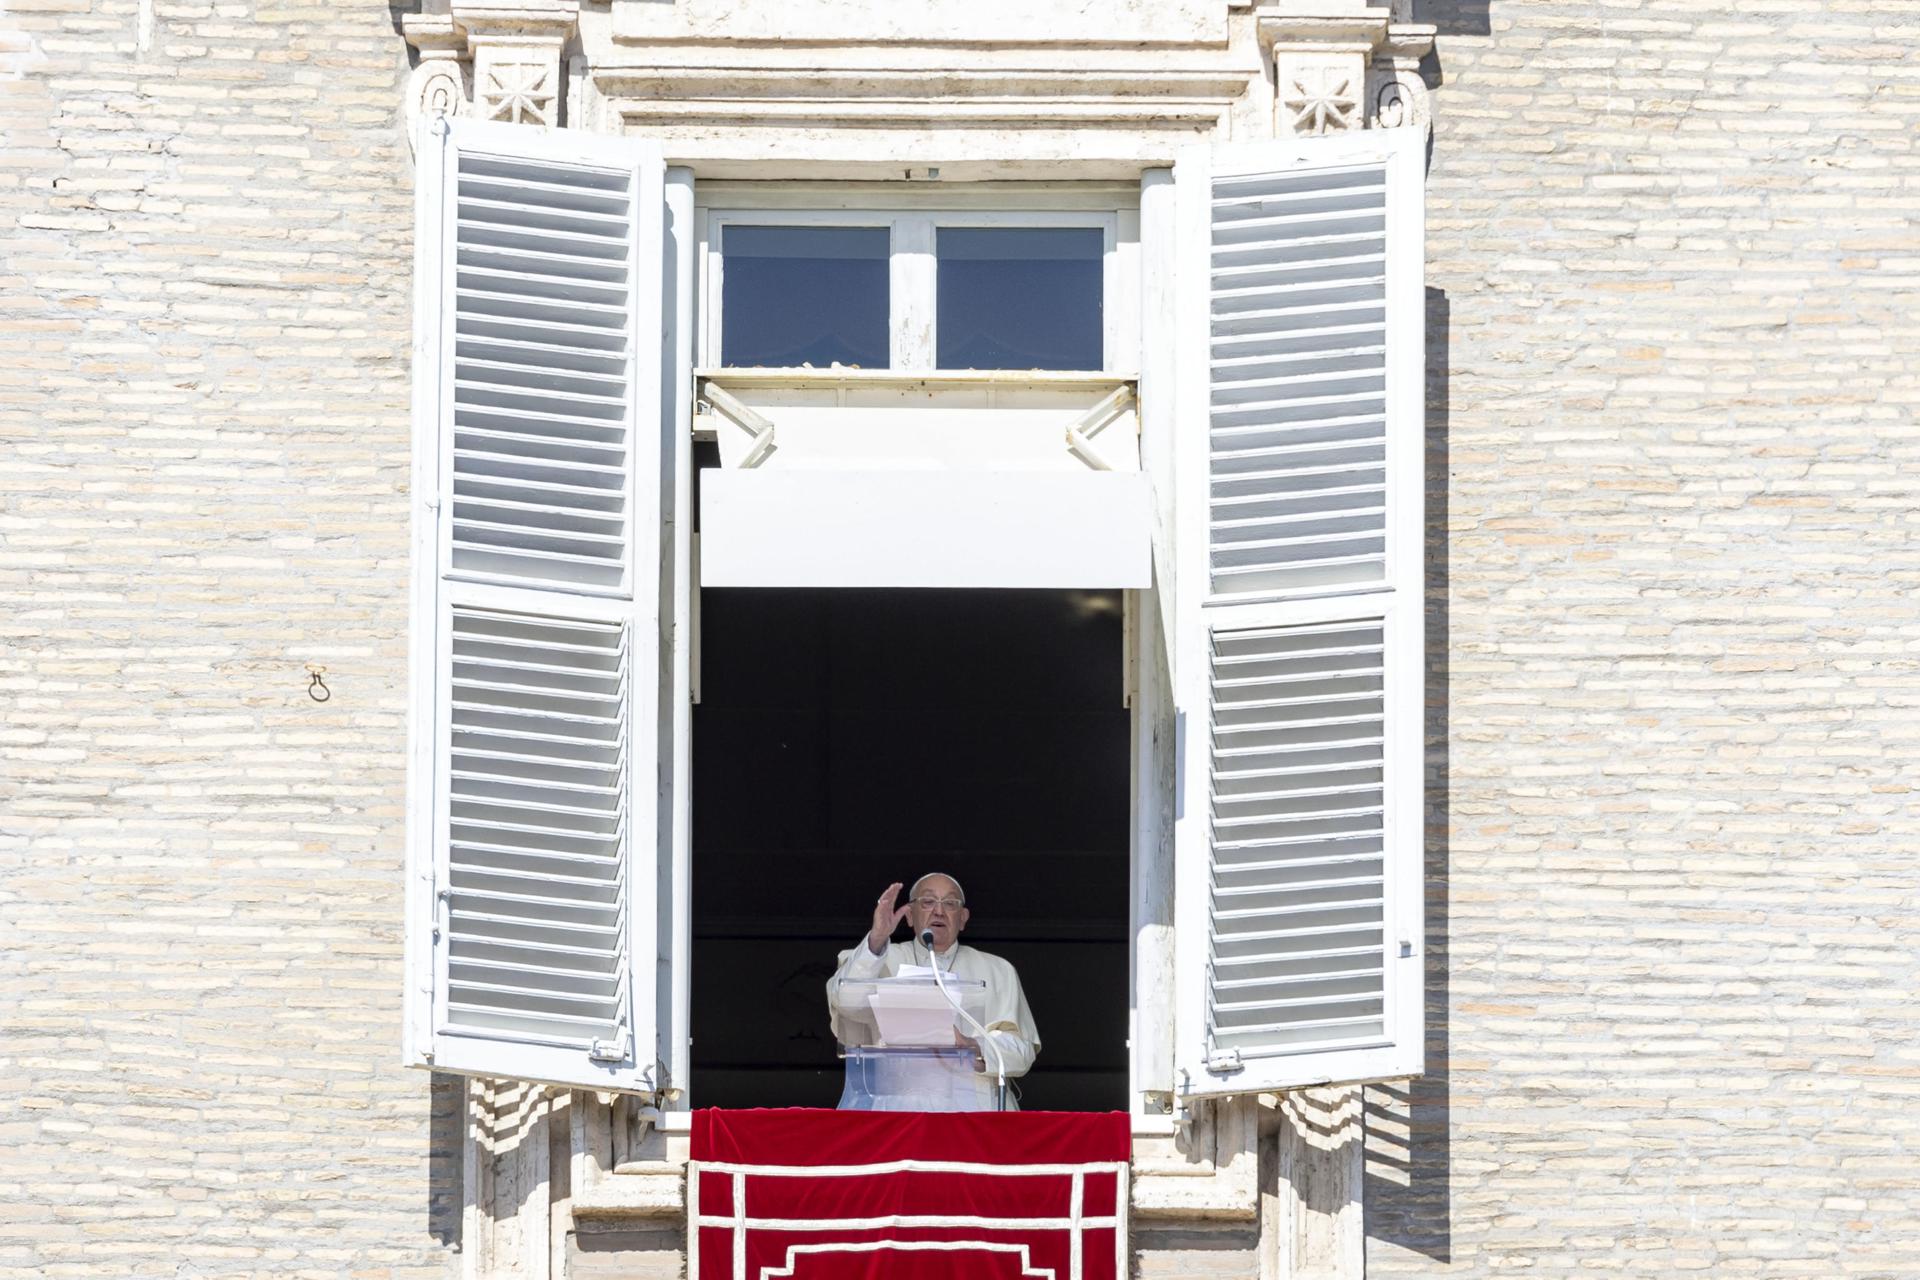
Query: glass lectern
x=898 y=1037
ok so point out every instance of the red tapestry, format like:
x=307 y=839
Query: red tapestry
x=873 y=1195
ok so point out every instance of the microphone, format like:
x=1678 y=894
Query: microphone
x=973 y=1024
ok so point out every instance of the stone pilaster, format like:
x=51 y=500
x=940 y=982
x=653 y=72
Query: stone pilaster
x=1321 y=1232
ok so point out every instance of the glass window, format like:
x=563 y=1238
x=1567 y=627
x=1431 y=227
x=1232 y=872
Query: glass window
x=804 y=295
x=1019 y=298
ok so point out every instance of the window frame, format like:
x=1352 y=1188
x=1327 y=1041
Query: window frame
x=1128 y=269
x=913 y=267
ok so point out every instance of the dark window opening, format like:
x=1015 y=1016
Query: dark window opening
x=847 y=739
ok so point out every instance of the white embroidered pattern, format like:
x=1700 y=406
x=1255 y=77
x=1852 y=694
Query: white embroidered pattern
x=738 y=1222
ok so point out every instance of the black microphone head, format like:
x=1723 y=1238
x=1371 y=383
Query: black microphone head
x=926 y=939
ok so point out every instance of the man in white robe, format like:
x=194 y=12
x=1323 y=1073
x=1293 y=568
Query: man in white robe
x=938 y=905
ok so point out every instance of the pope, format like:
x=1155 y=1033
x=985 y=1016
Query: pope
x=938 y=904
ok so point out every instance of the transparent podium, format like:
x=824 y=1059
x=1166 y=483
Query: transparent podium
x=897 y=1039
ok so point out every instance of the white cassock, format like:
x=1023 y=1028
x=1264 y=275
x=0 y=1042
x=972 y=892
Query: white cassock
x=1009 y=1022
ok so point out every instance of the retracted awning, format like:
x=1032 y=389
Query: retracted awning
x=871 y=479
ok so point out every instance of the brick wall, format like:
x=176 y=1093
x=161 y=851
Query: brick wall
x=1675 y=482
x=1675 y=287
x=203 y=392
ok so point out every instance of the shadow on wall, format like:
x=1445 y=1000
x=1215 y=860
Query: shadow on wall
x=1456 y=17
x=446 y=1155
x=1408 y=1193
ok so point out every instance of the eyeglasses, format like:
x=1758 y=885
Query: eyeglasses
x=928 y=904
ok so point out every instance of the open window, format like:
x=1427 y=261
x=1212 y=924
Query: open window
x=896 y=554
x=848 y=738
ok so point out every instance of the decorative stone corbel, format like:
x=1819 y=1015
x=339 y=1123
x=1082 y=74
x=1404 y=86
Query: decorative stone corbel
x=1341 y=65
x=441 y=84
x=516 y=46
x=1396 y=95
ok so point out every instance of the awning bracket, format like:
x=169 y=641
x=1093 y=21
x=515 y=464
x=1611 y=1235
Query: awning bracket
x=760 y=428
x=1081 y=430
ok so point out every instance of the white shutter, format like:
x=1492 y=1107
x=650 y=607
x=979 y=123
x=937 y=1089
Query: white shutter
x=1299 y=446
x=537 y=654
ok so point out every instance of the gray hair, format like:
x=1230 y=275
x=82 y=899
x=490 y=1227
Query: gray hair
x=915 y=891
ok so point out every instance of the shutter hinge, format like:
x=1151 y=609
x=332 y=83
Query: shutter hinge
x=1182 y=1100
x=1224 y=1062
x=609 y=1050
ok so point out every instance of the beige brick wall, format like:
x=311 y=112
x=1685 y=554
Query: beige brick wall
x=203 y=392
x=1675 y=474
x=1676 y=494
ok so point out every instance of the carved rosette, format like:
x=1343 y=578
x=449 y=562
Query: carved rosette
x=518 y=85
x=1319 y=97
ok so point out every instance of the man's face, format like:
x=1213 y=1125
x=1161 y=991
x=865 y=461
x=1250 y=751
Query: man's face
x=936 y=906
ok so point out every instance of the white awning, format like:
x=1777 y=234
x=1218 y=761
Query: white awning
x=769 y=528
x=873 y=478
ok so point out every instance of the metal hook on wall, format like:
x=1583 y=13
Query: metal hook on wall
x=317 y=687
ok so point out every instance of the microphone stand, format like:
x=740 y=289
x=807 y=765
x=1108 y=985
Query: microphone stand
x=973 y=1024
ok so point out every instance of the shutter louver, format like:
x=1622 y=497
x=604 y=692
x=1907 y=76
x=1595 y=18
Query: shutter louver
x=1299 y=847
x=543 y=325
x=537 y=644
x=1298 y=913
x=537 y=830
x=1298 y=376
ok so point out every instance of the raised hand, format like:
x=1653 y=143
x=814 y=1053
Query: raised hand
x=885 y=920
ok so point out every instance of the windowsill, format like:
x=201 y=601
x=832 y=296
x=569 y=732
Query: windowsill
x=840 y=375
x=1201 y=1172
x=1144 y=1126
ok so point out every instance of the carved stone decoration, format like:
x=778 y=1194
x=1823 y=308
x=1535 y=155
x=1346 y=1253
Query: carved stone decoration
x=520 y=92
x=1323 y=99
x=1396 y=95
x=1339 y=67
x=440 y=88
x=440 y=84
x=516 y=48
x=1398 y=99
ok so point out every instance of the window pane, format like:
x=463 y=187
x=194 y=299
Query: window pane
x=803 y=295
x=1020 y=298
